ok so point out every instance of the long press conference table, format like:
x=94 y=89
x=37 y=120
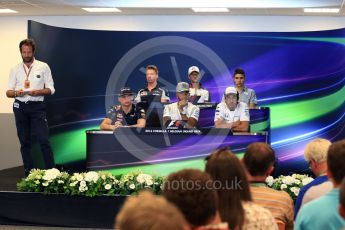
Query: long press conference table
x=128 y=147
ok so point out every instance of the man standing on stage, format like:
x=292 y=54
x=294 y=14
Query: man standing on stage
x=231 y=113
x=29 y=82
x=196 y=92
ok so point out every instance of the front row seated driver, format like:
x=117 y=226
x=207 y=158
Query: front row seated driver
x=231 y=113
x=126 y=114
x=181 y=114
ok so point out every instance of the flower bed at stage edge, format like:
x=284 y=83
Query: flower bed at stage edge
x=290 y=184
x=89 y=183
x=103 y=183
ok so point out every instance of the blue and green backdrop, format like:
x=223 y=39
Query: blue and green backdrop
x=299 y=75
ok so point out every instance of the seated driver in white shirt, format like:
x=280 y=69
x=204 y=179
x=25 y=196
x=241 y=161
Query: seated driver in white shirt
x=231 y=113
x=182 y=114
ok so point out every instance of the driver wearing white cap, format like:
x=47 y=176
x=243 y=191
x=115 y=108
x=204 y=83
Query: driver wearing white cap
x=197 y=93
x=231 y=113
x=182 y=114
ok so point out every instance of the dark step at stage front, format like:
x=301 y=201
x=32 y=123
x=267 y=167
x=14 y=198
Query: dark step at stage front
x=21 y=208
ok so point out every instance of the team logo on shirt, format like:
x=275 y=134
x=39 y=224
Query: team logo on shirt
x=143 y=93
x=119 y=116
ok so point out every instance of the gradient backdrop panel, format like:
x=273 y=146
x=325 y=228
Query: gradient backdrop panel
x=298 y=75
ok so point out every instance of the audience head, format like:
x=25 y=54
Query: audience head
x=149 y=212
x=190 y=191
x=315 y=154
x=226 y=169
x=336 y=162
x=259 y=159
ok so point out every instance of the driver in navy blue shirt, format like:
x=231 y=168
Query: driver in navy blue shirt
x=126 y=114
x=152 y=92
x=152 y=97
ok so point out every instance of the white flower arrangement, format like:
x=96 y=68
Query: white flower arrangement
x=290 y=184
x=89 y=183
x=133 y=182
x=50 y=181
x=91 y=176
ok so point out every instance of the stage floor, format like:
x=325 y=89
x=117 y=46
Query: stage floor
x=9 y=178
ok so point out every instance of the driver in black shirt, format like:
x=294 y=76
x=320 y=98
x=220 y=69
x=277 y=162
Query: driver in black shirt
x=152 y=92
x=152 y=96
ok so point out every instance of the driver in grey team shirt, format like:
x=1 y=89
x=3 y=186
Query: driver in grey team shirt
x=246 y=95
